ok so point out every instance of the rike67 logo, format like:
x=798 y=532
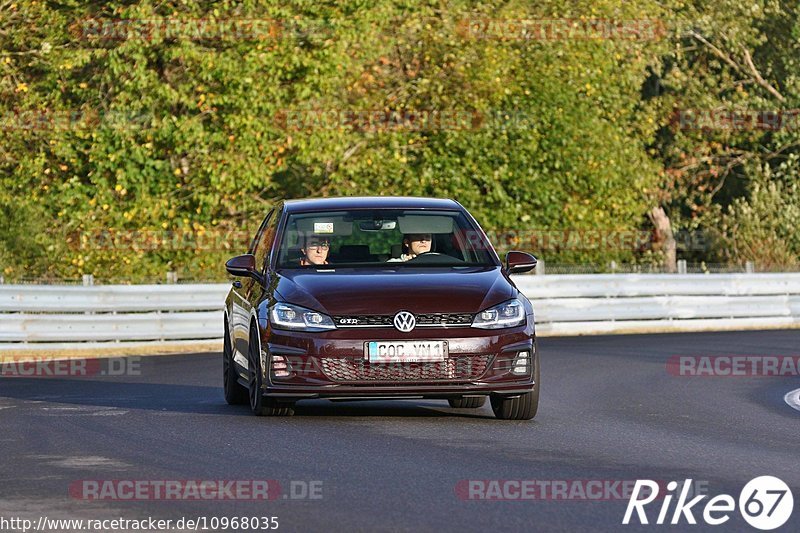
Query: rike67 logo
x=765 y=503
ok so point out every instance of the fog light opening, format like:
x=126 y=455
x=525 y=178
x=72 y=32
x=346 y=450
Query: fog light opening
x=280 y=367
x=522 y=363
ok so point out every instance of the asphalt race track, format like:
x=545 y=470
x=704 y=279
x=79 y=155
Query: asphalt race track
x=610 y=411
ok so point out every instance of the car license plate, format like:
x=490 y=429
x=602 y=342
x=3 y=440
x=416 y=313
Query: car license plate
x=405 y=351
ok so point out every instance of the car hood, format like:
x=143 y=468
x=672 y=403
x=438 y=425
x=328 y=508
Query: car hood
x=352 y=291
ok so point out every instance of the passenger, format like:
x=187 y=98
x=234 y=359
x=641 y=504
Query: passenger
x=414 y=244
x=315 y=251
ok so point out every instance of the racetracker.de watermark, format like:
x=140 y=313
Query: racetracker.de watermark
x=44 y=120
x=731 y=120
x=44 y=367
x=554 y=489
x=734 y=365
x=562 y=29
x=404 y=119
x=241 y=29
x=194 y=489
x=214 y=240
x=555 y=240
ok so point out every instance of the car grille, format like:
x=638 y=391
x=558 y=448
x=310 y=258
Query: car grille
x=355 y=321
x=423 y=319
x=464 y=368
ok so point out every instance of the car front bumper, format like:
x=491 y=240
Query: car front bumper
x=332 y=364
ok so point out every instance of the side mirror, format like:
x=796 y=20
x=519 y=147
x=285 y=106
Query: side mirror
x=243 y=266
x=519 y=262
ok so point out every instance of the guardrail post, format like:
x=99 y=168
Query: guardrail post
x=539 y=267
x=172 y=277
x=681 y=266
x=88 y=280
x=613 y=267
x=2 y=280
x=749 y=267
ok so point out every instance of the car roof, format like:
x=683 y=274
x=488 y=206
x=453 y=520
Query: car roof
x=369 y=202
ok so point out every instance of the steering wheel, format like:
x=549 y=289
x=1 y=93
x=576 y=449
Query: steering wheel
x=434 y=257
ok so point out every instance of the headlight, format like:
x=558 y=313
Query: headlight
x=506 y=315
x=288 y=316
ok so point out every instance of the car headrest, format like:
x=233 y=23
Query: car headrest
x=353 y=251
x=294 y=254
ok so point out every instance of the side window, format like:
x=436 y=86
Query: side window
x=266 y=239
x=256 y=247
x=266 y=242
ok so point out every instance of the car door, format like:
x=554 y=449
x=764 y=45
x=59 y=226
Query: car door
x=242 y=292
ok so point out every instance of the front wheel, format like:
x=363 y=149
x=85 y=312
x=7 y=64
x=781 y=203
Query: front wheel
x=235 y=394
x=522 y=407
x=262 y=405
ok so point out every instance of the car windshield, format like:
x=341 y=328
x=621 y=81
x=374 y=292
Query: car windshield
x=381 y=238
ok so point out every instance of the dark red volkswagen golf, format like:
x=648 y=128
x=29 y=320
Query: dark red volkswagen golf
x=379 y=297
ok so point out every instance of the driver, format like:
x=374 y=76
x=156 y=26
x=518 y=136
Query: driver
x=414 y=244
x=315 y=251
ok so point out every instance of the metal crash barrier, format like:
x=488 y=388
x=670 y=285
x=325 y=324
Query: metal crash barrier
x=34 y=316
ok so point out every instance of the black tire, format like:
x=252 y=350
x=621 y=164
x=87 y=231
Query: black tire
x=235 y=394
x=522 y=407
x=261 y=405
x=467 y=403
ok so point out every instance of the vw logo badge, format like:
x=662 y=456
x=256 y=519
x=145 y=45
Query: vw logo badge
x=404 y=321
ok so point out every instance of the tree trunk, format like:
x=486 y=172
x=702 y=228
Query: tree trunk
x=665 y=238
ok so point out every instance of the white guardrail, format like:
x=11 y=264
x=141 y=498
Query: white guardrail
x=55 y=316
